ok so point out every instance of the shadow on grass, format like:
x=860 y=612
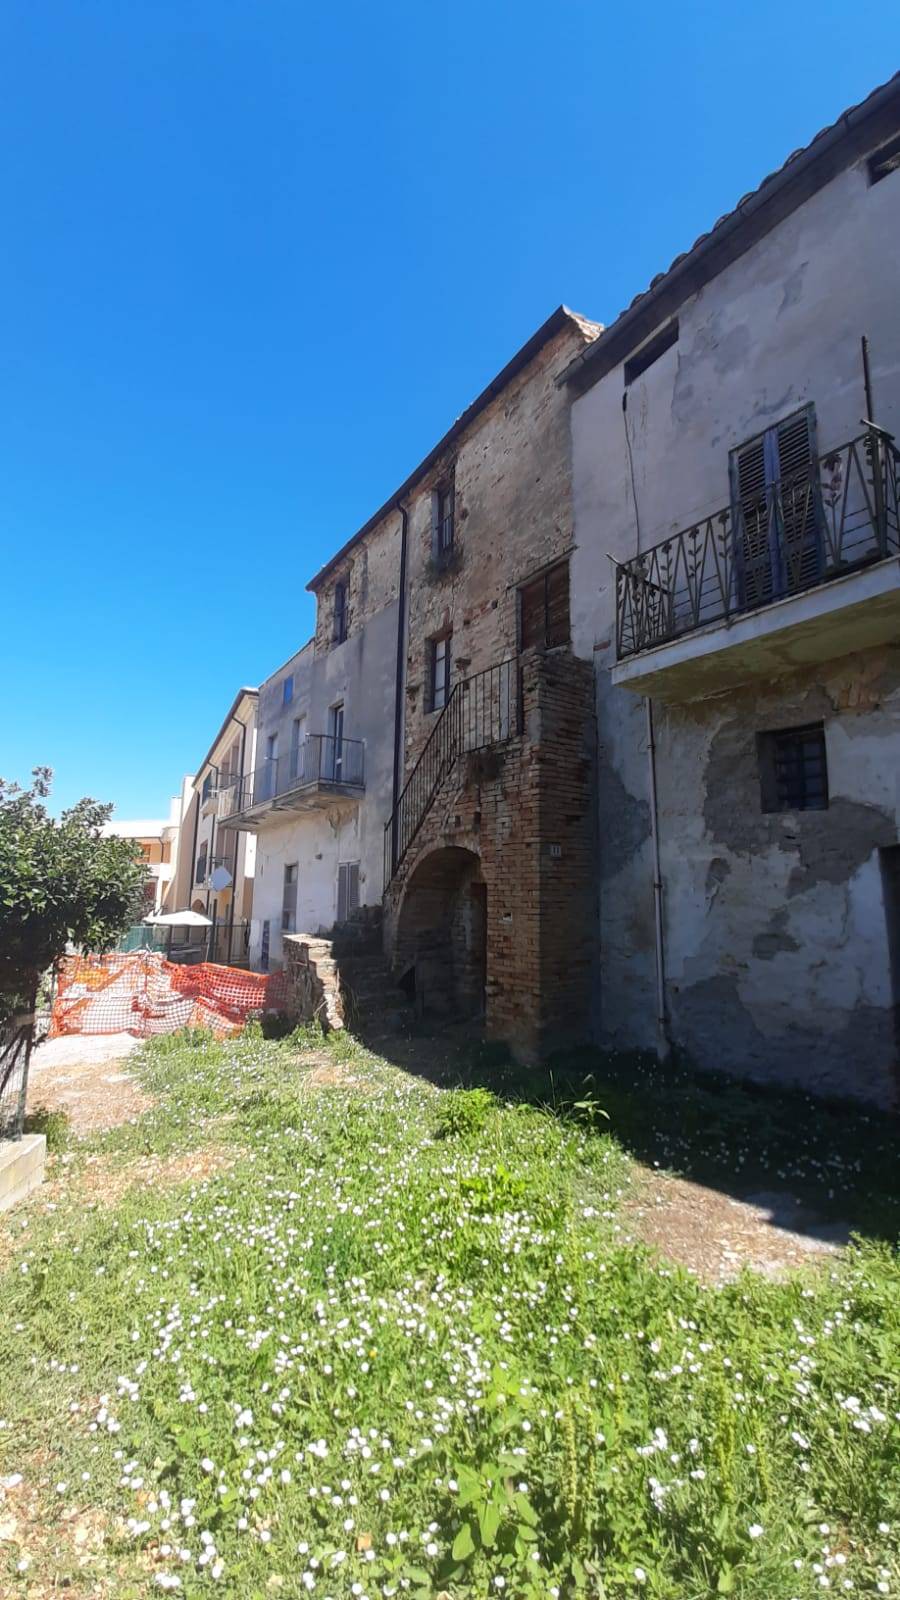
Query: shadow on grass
x=758 y=1142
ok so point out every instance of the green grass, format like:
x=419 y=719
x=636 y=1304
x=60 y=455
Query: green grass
x=397 y=1348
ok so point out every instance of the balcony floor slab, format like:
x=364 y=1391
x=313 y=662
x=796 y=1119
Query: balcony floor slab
x=850 y=613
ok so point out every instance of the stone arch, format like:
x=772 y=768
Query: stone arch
x=441 y=939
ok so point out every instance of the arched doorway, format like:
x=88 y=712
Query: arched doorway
x=441 y=946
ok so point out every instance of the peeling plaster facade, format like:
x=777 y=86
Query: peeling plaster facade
x=359 y=674
x=778 y=927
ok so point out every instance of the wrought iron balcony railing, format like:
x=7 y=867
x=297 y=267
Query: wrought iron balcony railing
x=481 y=711
x=320 y=758
x=839 y=514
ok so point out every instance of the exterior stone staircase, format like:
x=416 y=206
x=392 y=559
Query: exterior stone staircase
x=343 y=980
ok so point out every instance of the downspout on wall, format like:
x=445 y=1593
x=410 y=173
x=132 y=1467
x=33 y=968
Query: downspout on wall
x=237 y=842
x=398 y=684
x=663 y=1042
x=192 y=875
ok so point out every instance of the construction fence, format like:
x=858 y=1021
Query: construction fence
x=143 y=994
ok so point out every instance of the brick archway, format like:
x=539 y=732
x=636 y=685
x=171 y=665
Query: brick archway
x=441 y=940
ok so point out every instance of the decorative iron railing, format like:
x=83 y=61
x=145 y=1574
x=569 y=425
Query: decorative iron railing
x=481 y=711
x=319 y=758
x=841 y=513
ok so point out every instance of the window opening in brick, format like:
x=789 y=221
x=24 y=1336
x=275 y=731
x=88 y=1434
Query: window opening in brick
x=439 y=672
x=544 y=609
x=340 y=613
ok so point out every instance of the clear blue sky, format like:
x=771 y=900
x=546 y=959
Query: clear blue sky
x=257 y=256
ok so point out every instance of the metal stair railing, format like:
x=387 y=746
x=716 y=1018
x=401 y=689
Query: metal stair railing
x=481 y=711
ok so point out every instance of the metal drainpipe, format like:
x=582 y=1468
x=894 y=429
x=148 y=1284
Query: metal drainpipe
x=237 y=839
x=212 y=848
x=398 y=685
x=192 y=875
x=664 y=1043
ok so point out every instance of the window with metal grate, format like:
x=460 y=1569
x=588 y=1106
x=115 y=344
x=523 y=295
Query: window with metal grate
x=793 y=769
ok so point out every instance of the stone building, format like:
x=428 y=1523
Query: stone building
x=485 y=831
x=736 y=581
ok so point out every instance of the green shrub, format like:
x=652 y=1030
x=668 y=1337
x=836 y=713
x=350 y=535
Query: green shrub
x=463 y=1112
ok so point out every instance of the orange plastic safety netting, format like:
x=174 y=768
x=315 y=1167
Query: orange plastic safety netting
x=143 y=994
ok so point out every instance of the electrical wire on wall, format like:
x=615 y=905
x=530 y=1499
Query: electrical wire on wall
x=628 y=446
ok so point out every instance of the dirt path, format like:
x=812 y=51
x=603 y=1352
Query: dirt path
x=715 y=1235
x=87 y=1077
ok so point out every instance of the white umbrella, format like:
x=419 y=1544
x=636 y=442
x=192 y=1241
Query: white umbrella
x=179 y=919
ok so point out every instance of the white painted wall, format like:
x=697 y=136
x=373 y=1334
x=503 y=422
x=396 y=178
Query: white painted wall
x=361 y=674
x=778 y=328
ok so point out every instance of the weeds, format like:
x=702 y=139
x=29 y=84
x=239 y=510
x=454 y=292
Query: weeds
x=367 y=1361
x=463 y=1112
x=54 y=1125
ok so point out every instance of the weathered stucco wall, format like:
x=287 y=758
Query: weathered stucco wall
x=360 y=673
x=776 y=937
x=318 y=841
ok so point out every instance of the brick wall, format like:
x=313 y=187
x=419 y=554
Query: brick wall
x=518 y=818
x=513 y=516
x=372 y=575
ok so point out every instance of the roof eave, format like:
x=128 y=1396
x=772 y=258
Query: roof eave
x=756 y=214
x=560 y=318
x=230 y=716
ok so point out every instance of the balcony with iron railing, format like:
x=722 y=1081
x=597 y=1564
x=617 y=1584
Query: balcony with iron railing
x=321 y=771
x=806 y=570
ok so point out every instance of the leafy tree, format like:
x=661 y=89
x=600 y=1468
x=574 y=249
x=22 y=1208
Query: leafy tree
x=61 y=882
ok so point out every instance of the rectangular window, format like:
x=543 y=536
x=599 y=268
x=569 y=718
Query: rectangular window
x=442 y=519
x=793 y=770
x=289 y=899
x=348 y=890
x=206 y=791
x=200 y=874
x=264 y=947
x=885 y=161
x=651 y=351
x=287 y=690
x=777 y=512
x=544 y=609
x=438 y=672
x=339 y=631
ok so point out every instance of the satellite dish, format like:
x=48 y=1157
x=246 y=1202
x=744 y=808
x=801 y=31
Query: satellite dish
x=221 y=879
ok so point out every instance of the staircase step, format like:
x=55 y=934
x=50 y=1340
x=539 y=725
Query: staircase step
x=370 y=961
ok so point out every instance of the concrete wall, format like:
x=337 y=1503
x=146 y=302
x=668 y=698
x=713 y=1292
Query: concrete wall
x=775 y=925
x=361 y=674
